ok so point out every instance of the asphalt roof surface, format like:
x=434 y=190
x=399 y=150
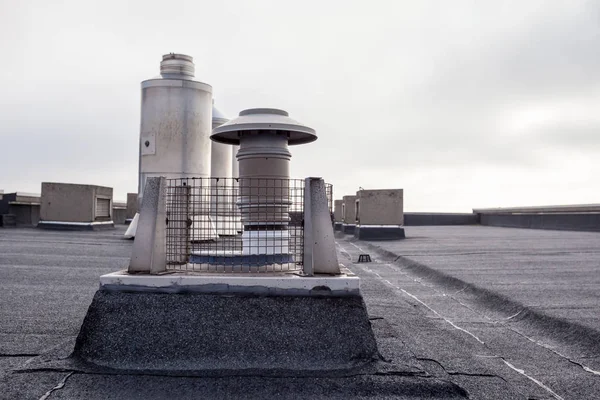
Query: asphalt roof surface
x=458 y=312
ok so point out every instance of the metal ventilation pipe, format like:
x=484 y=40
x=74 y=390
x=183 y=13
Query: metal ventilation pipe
x=177 y=66
x=221 y=167
x=221 y=155
x=175 y=123
x=263 y=135
x=235 y=165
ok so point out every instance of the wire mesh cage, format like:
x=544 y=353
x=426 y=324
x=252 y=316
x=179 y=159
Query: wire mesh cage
x=236 y=224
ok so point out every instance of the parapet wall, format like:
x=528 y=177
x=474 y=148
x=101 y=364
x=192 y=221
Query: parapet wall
x=568 y=222
x=337 y=210
x=573 y=217
x=430 y=219
x=349 y=210
x=132 y=205
x=380 y=207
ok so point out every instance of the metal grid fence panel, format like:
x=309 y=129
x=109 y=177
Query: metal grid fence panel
x=235 y=225
x=329 y=192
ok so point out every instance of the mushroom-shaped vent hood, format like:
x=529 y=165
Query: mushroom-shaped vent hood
x=257 y=119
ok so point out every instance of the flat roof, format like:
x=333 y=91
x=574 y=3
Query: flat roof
x=457 y=311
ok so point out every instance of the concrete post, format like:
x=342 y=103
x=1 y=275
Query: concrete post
x=338 y=214
x=320 y=256
x=149 y=247
x=379 y=214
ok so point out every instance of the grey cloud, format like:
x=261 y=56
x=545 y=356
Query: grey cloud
x=581 y=136
x=394 y=91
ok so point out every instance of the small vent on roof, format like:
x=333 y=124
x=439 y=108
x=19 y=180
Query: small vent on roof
x=102 y=208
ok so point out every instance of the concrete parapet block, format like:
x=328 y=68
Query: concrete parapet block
x=76 y=226
x=149 y=247
x=379 y=232
x=568 y=222
x=75 y=206
x=338 y=216
x=432 y=219
x=349 y=210
x=132 y=205
x=348 y=229
x=118 y=214
x=380 y=207
x=320 y=256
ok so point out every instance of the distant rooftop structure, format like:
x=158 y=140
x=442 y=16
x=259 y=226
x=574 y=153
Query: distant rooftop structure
x=26 y=194
x=572 y=208
x=19 y=208
x=75 y=207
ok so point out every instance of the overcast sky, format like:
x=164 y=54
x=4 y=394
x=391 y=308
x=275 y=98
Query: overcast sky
x=461 y=103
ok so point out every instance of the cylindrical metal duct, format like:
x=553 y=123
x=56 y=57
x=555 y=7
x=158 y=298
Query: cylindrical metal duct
x=178 y=66
x=264 y=181
x=175 y=123
x=222 y=209
x=221 y=155
x=263 y=135
x=235 y=165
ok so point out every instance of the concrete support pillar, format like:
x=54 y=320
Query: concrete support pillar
x=338 y=214
x=348 y=214
x=320 y=256
x=149 y=247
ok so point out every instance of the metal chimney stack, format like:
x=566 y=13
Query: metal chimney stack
x=175 y=123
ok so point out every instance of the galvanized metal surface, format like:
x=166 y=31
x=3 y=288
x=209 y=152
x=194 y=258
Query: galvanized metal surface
x=179 y=66
x=265 y=195
x=235 y=164
x=175 y=123
x=264 y=119
x=221 y=154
